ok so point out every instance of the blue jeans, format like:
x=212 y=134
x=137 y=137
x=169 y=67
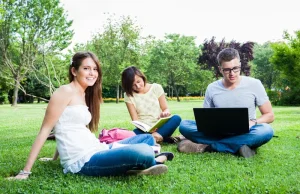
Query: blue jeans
x=167 y=129
x=259 y=134
x=119 y=160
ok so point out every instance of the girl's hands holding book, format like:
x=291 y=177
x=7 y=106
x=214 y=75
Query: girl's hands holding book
x=165 y=113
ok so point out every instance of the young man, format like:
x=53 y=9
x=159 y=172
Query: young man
x=233 y=90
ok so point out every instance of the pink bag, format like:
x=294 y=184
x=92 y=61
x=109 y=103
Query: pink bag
x=114 y=134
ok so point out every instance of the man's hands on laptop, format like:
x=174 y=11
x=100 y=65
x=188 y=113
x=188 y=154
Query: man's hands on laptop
x=252 y=123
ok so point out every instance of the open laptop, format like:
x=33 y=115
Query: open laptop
x=222 y=121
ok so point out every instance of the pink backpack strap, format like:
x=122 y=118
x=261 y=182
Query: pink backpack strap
x=104 y=132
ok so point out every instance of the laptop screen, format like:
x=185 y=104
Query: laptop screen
x=222 y=121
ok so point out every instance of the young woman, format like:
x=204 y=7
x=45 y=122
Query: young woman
x=73 y=112
x=147 y=103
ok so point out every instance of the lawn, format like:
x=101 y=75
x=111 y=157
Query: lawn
x=275 y=168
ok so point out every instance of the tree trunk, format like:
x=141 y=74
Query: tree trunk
x=201 y=93
x=176 y=93
x=117 y=98
x=48 y=74
x=16 y=90
x=121 y=93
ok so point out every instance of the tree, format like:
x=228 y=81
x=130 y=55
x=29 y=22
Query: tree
x=265 y=70
x=199 y=80
x=210 y=49
x=28 y=28
x=117 y=47
x=50 y=69
x=4 y=89
x=173 y=60
x=286 y=59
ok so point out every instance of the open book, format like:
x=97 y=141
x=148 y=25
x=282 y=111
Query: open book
x=146 y=128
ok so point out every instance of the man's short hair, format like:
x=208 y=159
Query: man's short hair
x=227 y=54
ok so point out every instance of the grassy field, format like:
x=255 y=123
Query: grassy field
x=275 y=168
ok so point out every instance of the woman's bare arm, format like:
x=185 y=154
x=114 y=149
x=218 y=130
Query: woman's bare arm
x=58 y=102
x=132 y=111
x=164 y=106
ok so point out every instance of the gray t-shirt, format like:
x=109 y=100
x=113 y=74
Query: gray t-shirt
x=249 y=93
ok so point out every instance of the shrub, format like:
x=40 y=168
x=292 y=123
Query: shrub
x=274 y=96
x=3 y=98
x=112 y=99
x=186 y=98
x=288 y=98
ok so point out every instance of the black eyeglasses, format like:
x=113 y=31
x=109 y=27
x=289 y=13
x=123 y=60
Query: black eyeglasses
x=234 y=69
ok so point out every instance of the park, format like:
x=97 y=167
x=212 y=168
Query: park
x=35 y=56
x=274 y=169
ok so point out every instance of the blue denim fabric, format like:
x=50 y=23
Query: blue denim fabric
x=119 y=160
x=143 y=138
x=259 y=134
x=167 y=129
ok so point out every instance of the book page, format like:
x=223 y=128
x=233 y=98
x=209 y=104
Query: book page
x=146 y=128
x=142 y=126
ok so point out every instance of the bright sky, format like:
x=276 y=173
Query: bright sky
x=241 y=20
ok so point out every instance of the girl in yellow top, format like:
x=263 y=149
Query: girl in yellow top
x=147 y=103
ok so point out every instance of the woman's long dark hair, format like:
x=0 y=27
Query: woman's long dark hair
x=128 y=75
x=93 y=94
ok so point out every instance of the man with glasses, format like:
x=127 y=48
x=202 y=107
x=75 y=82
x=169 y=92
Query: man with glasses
x=233 y=90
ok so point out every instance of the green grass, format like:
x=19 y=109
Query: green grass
x=275 y=168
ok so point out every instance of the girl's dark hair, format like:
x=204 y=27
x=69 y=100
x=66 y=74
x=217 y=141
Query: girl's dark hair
x=93 y=94
x=128 y=78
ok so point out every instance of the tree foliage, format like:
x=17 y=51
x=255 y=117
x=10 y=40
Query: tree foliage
x=286 y=59
x=265 y=70
x=117 y=47
x=173 y=60
x=210 y=49
x=199 y=80
x=29 y=28
x=50 y=71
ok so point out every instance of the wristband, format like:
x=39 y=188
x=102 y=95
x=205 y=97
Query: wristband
x=254 y=120
x=23 y=172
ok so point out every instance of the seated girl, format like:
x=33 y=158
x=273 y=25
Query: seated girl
x=147 y=103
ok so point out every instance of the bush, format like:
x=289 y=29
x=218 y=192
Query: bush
x=186 y=98
x=288 y=98
x=112 y=99
x=3 y=98
x=274 y=96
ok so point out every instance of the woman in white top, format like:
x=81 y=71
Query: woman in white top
x=147 y=103
x=73 y=112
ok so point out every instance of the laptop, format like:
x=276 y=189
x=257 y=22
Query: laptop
x=222 y=121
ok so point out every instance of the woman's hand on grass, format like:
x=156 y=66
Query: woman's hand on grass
x=21 y=177
x=45 y=159
x=18 y=177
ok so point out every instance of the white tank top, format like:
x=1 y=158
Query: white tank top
x=75 y=142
